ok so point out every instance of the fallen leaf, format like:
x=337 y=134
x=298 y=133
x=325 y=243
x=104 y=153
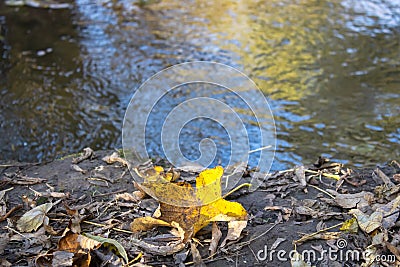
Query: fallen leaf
x=135 y=196
x=216 y=235
x=5 y=263
x=186 y=217
x=235 y=228
x=379 y=238
x=300 y=174
x=34 y=218
x=395 y=250
x=77 y=168
x=178 y=231
x=349 y=201
x=350 y=226
x=208 y=185
x=220 y=210
x=114 y=157
x=286 y=212
x=79 y=245
x=62 y=258
x=110 y=241
x=75 y=221
x=169 y=249
x=193 y=218
x=386 y=180
x=197 y=260
x=146 y=223
x=390 y=212
x=88 y=153
x=368 y=223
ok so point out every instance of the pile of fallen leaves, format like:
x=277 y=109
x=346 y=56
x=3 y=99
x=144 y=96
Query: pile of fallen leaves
x=77 y=248
x=91 y=213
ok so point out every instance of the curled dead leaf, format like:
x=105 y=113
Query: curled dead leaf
x=216 y=235
x=34 y=218
x=146 y=223
x=368 y=223
x=235 y=228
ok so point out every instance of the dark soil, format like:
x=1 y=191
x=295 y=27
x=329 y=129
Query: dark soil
x=92 y=192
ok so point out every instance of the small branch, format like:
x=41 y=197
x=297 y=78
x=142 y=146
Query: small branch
x=5 y=216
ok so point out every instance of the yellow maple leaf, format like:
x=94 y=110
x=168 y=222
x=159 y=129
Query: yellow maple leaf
x=192 y=219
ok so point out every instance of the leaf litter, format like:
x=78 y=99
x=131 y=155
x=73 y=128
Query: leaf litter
x=60 y=217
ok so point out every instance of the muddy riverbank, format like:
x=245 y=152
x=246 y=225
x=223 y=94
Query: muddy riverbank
x=307 y=208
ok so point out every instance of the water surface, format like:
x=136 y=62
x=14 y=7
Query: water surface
x=331 y=70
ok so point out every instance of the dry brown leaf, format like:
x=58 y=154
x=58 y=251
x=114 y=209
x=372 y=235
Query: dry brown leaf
x=23 y=180
x=88 y=153
x=76 y=243
x=386 y=180
x=368 y=223
x=77 y=168
x=197 y=260
x=177 y=231
x=5 y=263
x=216 y=235
x=388 y=210
x=146 y=223
x=135 y=196
x=393 y=249
x=62 y=258
x=34 y=218
x=301 y=175
x=114 y=157
x=349 y=201
x=79 y=245
x=169 y=249
x=235 y=228
x=69 y=242
x=286 y=212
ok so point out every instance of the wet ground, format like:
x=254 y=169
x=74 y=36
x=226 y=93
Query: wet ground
x=330 y=69
x=291 y=204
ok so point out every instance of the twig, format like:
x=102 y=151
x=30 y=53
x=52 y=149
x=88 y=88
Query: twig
x=5 y=216
x=114 y=228
x=135 y=259
x=259 y=149
x=257 y=237
x=333 y=176
x=236 y=189
x=15 y=231
x=390 y=214
x=110 y=193
x=320 y=231
x=254 y=254
x=323 y=191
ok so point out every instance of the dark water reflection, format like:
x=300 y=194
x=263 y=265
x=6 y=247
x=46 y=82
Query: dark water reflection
x=331 y=70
